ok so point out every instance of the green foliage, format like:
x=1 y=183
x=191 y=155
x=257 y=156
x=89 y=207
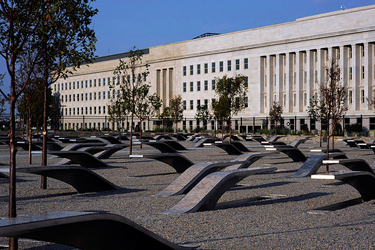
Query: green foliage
x=176 y=109
x=275 y=114
x=354 y=128
x=203 y=114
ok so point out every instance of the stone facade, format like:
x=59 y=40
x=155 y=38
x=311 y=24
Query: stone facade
x=283 y=63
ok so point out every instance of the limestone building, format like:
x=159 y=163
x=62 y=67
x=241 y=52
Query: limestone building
x=283 y=63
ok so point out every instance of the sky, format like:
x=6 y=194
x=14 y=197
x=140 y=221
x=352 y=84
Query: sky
x=122 y=24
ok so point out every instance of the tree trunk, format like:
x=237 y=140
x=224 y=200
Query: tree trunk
x=327 y=165
x=230 y=130
x=140 y=133
x=30 y=137
x=43 y=180
x=131 y=135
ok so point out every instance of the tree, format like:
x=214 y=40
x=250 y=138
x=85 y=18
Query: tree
x=231 y=95
x=165 y=117
x=275 y=114
x=147 y=106
x=330 y=105
x=203 y=114
x=131 y=75
x=176 y=109
x=316 y=111
x=117 y=112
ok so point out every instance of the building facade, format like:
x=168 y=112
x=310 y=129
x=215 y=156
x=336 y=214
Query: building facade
x=283 y=63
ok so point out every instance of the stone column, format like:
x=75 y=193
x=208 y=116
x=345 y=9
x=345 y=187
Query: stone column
x=356 y=77
x=368 y=75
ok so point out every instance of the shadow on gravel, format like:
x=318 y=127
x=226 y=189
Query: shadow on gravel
x=255 y=201
x=158 y=174
x=341 y=205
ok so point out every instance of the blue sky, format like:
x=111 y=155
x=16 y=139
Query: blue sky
x=122 y=24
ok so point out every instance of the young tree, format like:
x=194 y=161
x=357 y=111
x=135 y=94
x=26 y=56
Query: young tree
x=176 y=110
x=331 y=101
x=203 y=114
x=165 y=117
x=316 y=111
x=147 y=106
x=132 y=74
x=275 y=114
x=231 y=95
x=117 y=112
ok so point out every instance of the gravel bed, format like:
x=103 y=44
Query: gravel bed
x=287 y=218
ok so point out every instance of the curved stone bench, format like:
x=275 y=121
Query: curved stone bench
x=352 y=164
x=79 y=157
x=82 y=179
x=313 y=163
x=363 y=181
x=208 y=191
x=194 y=174
x=179 y=162
x=85 y=230
x=160 y=145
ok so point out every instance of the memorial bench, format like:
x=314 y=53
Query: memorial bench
x=86 y=230
x=200 y=143
x=362 y=181
x=191 y=176
x=207 y=192
x=79 y=157
x=179 y=162
x=233 y=148
x=82 y=179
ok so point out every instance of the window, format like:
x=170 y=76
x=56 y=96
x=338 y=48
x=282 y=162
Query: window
x=213 y=102
x=213 y=84
x=103 y=110
x=246 y=63
x=363 y=72
x=109 y=94
x=206 y=68
x=184 y=70
x=198 y=103
x=85 y=96
x=198 y=86
x=191 y=86
x=90 y=110
x=191 y=69
x=213 y=67
x=99 y=82
x=90 y=96
x=85 y=83
x=70 y=85
x=237 y=64
x=103 y=95
x=304 y=99
x=350 y=52
x=94 y=110
x=66 y=86
x=205 y=85
x=94 y=82
x=198 y=69
x=74 y=85
x=229 y=65
x=62 y=98
x=246 y=81
x=99 y=110
x=113 y=94
x=350 y=73
x=294 y=100
x=99 y=95
x=86 y=110
x=81 y=84
x=74 y=97
x=206 y=103
x=246 y=102
x=362 y=96
x=77 y=97
x=94 y=95
x=265 y=101
x=191 y=105
x=184 y=87
x=305 y=77
x=103 y=81
x=90 y=83
x=109 y=80
x=221 y=66
x=184 y=104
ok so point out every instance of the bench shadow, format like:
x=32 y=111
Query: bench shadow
x=255 y=201
x=274 y=184
x=158 y=174
x=341 y=205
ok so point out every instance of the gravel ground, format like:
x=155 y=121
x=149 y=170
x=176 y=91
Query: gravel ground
x=288 y=219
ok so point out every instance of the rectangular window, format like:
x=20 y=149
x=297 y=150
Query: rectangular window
x=90 y=83
x=246 y=63
x=90 y=96
x=191 y=104
x=191 y=69
x=213 y=84
x=304 y=99
x=86 y=110
x=198 y=86
x=77 y=97
x=109 y=80
x=350 y=73
x=184 y=104
x=362 y=96
x=294 y=100
x=206 y=85
x=363 y=72
x=85 y=96
x=70 y=85
x=221 y=66
x=94 y=82
x=90 y=110
x=103 y=81
x=206 y=68
x=206 y=103
x=74 y=85
x=99 y=95
x=99 y=111
x=198 y=103
x=198 y=69
x=85 y=83
x=246 y=102
x=246 y=81
x=184 y=70
x=213 y=102
x=109 y=94
x=237 y=64
x=191 y=86
x=103 y=94
x=99 y=82
x=103 y=110
x=229 y=65
x=184 y=87
x=213 y=67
